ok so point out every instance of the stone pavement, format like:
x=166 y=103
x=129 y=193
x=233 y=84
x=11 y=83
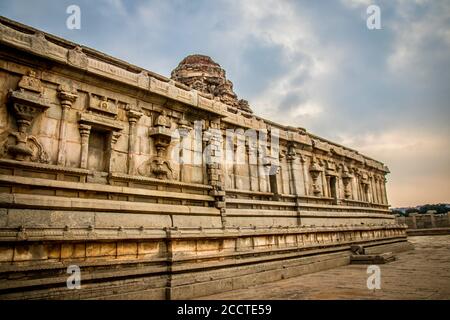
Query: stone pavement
x=423 y=273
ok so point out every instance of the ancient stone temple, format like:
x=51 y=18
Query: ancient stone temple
x=163 y=188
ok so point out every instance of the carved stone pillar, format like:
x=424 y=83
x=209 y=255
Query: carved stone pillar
x=290 y=158
x=213 y=140
x=261 y=179
x=85 y=131
x=235 y=160
x=315 y=171
x=251 y=155
x=380 y=187
x=377 y=189
x=67 y=96
x=372 y=188
x=133 y=118
x=383 y=184
x=281 y=176
x=304 y=173
x=296 y=178
x=355 y=184
x=115 y=135
x=183 y=129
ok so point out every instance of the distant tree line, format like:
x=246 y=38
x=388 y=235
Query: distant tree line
x=439 y=208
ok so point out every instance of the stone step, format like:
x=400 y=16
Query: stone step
x=372 y=258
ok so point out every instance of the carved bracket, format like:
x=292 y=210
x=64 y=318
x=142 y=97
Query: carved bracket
x=26 y=103
x=315 y=171
x=159 y=166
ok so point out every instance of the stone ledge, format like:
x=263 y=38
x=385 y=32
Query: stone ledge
x=246 y=258
x=57 y=234
x=54 y=202
x=43 y=166
x=95 y=187
x=126 y=177
x=186 y=284
x=428 y=231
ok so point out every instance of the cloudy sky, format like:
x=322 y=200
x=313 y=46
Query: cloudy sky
x=312 y=64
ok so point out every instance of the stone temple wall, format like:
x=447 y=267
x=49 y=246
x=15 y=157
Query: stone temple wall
x=157 y=187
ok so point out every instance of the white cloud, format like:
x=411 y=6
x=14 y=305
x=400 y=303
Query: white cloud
x=418 y=162
x=414 y=33
x=357 y=3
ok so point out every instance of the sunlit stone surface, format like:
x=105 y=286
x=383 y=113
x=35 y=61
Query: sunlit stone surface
x=159 y=188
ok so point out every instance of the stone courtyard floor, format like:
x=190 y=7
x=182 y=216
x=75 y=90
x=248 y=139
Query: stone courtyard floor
x=422 y=273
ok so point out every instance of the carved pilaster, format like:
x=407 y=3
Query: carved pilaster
x=115 y=135
x=85 y=131
x=305 y=175
x=212 y=146
x=183 y=129
x=291 y=158
x=67 y=95
x=133 y=117
x=235 y=163
x=346 y=180
x=383 y=188
x=252 y=163
x=212 y=139
x=315 y=171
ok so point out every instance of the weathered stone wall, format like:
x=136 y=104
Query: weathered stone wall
x=88 y=176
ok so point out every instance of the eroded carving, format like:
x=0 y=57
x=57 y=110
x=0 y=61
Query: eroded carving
x=201 y=73
x=77 y=57
x=315 y=171
x=103 y=106
x=159 y=166
x=26 y=104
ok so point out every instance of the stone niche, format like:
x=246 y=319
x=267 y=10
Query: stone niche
x=99 y=131
x=26 y=104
